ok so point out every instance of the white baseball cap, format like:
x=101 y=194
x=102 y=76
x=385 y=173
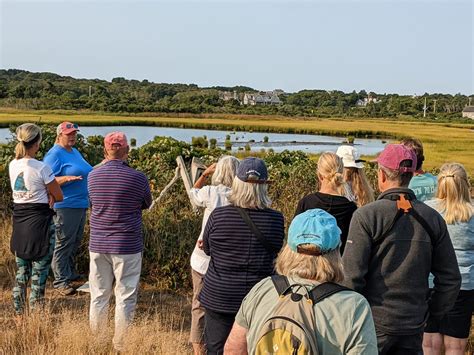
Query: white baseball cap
x=350 y=157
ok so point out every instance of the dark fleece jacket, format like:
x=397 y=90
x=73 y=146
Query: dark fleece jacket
x=337 y=206
x=393 y=274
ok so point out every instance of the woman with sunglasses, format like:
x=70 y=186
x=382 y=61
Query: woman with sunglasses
x=71 y=171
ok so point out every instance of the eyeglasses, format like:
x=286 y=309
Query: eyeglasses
x=71 y=125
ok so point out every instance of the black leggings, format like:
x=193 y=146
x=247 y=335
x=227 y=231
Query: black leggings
x=217 y=327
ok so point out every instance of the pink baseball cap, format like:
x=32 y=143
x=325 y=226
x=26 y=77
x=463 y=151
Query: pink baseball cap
x=394 y=154
x=118 y=138
x=66 y=128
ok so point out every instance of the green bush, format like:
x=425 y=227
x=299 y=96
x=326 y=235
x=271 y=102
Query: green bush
x=212 y=143
x=199 y=142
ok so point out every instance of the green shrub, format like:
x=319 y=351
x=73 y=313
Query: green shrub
x=212 y=143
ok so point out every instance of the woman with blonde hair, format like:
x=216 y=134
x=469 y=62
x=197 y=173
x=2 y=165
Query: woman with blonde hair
x=209 y=197
x=453 y=202
x=357 y=187
x=242 y=240
x=330 y=196
x=35 y=190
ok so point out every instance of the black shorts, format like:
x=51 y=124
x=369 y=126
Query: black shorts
x=457 y=322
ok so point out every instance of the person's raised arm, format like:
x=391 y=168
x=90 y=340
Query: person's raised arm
x=65 y=179
x=203 y=178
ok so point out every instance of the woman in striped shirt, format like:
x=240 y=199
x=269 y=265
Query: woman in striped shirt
x=241 y=255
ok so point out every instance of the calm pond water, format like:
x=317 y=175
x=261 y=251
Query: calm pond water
x=277 y=141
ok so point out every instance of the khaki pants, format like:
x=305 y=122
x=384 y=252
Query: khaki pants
x=125 y=270
x=197 y=312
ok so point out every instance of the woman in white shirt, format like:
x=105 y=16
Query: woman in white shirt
x=210 y=197
x=34 y=192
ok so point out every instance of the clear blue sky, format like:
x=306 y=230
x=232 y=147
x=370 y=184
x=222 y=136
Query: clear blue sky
x=398 y=46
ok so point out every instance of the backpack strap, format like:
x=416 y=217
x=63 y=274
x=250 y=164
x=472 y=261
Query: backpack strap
x=404 y=207
x=281 y=284
x=245 y=216
x=325 y=290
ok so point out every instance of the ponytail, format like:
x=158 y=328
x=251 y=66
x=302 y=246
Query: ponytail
x=28 y=134
x=330 y=167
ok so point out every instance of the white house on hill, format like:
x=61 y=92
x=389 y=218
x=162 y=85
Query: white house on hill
x=468 y=112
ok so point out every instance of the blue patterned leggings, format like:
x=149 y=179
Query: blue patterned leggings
x=38 y=272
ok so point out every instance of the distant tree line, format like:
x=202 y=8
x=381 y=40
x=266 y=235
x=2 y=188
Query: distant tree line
x=47 y=91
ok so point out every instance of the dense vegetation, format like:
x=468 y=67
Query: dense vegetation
x=170 y=229
x=46 y=91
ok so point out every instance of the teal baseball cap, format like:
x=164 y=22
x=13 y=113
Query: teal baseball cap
x=315 y=227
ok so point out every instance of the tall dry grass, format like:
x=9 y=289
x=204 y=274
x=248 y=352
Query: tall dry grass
x=161 y=326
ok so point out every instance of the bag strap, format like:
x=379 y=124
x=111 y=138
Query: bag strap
x=281 y=284
x=325 y=290
x=404 y=207
x=245 y=216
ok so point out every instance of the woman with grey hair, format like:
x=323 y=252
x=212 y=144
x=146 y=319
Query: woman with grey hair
x=210 y=197
x=242 y=240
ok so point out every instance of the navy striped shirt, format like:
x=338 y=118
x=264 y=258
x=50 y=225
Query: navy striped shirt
x=118 y=194
x=238 y=259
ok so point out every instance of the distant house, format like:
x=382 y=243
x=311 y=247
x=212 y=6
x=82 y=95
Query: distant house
x=468 y=112
x=261 y=98
x=367 y=100
x=227 y=95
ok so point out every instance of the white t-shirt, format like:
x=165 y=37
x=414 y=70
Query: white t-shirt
x=29 y=178
x=209 y=197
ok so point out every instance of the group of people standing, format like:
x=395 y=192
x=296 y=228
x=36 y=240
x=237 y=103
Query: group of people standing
x=394 y=255
x=51 y=199
x=376 y=276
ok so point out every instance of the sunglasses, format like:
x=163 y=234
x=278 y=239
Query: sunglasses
x=71 y=125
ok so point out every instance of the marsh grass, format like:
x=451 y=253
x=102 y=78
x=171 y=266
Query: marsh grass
x=161 y=326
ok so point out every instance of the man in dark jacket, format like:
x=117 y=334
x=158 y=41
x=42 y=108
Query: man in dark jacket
x=393 y=245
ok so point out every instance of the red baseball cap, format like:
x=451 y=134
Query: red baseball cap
x=118 y=138
x=394 y=154
x=67 y=128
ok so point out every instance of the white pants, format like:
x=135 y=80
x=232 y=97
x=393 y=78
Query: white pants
x=104 y=269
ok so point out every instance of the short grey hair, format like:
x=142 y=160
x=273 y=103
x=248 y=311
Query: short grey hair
x=249 y=195
x=225 y=170
x=403 y=179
